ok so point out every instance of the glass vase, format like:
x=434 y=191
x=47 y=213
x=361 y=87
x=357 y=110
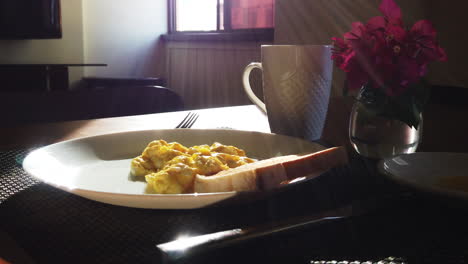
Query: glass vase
x=378 y=136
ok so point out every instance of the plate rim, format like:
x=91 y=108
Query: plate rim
x=422 y=187
x=145 y=195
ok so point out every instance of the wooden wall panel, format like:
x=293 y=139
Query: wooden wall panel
x=209 y=74
x=317 y=21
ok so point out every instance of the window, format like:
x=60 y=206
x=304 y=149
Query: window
x=240 y=17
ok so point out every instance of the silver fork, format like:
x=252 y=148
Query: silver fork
x=188 y=121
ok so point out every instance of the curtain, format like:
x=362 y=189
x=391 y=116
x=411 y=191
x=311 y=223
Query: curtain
x=252 y=14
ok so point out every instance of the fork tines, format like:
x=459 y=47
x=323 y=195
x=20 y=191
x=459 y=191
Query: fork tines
x=188 y=121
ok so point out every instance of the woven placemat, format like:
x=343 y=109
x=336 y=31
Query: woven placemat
x=51 y=224
x=13 y=179
x=54 y=226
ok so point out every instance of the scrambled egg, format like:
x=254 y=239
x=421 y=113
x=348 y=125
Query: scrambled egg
x=170 y=168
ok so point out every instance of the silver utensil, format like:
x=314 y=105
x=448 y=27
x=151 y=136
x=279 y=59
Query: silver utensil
x=185 y=248
x=188 y=121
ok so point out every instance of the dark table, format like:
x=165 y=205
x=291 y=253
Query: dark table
x=384 y=219
x=53 y=226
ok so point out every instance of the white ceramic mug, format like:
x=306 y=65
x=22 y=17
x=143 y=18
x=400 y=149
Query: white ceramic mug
x=296 y=88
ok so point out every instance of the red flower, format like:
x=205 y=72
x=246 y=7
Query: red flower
x=384 y=54
x=339 y=52
x=391 y=11
x=422 y=38
x=376 y=23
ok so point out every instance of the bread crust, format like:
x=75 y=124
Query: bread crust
x=269 y=173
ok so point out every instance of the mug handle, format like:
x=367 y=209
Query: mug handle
x=248 y=89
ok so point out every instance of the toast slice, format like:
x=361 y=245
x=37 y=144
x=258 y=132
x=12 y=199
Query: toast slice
x=269 y=173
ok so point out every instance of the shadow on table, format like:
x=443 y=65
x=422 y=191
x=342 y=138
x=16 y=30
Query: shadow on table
x=56 y=226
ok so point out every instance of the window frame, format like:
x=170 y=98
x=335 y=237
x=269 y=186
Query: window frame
x=227 y=34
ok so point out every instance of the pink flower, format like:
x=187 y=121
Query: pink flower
x=424 y=47
x=391 y=11
x=358 y=29
x=376 y=23
x=384 y=54
x=339 y=52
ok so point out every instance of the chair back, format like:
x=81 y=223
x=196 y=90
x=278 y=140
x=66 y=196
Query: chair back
x=18 y=108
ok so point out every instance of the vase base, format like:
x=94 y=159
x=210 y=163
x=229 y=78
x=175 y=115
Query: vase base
x=381 y=150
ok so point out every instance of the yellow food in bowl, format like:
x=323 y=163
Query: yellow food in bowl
x=170 y=168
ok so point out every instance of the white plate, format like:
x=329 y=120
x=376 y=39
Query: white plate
x=98 y=167
x=444 y=173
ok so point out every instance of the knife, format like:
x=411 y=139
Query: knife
x=183 y=249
